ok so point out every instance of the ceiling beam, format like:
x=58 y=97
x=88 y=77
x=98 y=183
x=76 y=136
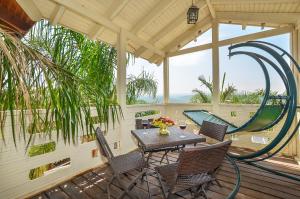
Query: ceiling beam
x=211 y=9
x=140 y=51
x=79 y=8
x=255 y=36
x=31 y=9
x=190 y=34
x=168 y=28
x=57 y=14
x=244 y=38
x=149 y=17
x=190 y=50
x=277 y=18
x=114 y=10
x=116 y=7
x=147 y=45
x=94 y=31
x=173 y=24
x=243 y=2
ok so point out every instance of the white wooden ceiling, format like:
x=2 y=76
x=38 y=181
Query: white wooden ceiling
x=156 y=27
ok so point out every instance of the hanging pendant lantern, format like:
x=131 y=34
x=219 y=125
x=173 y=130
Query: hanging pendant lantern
x=192 y=14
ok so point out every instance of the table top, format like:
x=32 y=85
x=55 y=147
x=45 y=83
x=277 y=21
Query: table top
x=151 y=139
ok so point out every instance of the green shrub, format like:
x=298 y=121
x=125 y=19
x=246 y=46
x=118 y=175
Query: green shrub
x=41 y=149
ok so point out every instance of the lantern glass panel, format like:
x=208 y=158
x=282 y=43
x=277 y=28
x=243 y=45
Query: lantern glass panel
x=192 y=15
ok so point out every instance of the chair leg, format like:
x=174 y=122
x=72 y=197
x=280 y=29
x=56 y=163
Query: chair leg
x=125 y=189
x=148 y=186
x=108 y=186
x=149 y=156
x=165 y=155
x=161 y=185
x=203 y=191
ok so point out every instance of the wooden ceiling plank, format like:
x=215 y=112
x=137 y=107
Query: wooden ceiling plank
x=190 y=33
x=169 y=27
x=149 y=17
x=80 y=9
x=83 y=11
x=31 y=9
x=57 y=15
x=279 y=18
x=211 y=9
x=140 y=51
x=116 y=7
x=112 y=12
x=253 y=1
x=95 y=31
x=147 y=45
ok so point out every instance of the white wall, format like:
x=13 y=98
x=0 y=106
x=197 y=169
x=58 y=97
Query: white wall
x=15 y=164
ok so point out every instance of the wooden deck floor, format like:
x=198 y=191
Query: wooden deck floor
x=255 y=183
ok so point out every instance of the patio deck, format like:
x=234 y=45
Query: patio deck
x=255 y=183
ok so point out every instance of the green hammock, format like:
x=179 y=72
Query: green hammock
x=264 y=118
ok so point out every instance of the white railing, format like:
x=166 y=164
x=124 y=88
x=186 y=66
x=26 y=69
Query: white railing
x=15 y=164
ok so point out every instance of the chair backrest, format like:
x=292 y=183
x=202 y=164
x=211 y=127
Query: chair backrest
x=213 y=130
x=202 y=159
x=103 y=145
x=139 y=124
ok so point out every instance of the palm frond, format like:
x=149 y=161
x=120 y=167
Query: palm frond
x=206 y=83
x=200 y=97
x=228 y=92
x=143 y=84
x=45 y=70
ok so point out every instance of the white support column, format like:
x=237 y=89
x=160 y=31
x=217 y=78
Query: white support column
x=166 y=80
x=294 y=146
x=121 y=91
x=121 y=69
x=297 y=42
x=215 y=66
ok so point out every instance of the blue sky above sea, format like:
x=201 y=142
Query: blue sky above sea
x=241 y=71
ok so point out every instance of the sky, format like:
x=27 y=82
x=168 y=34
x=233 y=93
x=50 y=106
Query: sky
x=241 y=71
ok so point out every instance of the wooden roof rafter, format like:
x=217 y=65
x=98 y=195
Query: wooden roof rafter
x=97 y=18
x=201 y=27
x=112 y=12
x=13 y=17
x=103 y=20
x=259 y=17
x=155 y=11
x=211 y=9
x=168 y=28
x=57 y=14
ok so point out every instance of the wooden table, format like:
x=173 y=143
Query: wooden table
x=150 y=139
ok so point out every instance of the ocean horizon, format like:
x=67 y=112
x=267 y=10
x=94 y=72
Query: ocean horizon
x=176 y=98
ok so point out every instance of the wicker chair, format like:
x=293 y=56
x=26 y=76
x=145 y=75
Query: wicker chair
x=213 y=130
x=194 y=171
x=121 y=165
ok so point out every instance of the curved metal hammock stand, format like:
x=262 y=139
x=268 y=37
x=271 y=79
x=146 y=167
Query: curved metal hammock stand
x=271 y=111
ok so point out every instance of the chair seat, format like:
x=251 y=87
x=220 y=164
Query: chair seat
x=202 y=144
x=128 y=162
x=169 y=175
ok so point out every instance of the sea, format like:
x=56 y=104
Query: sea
x=175 y=98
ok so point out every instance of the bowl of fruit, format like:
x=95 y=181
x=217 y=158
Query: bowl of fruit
x=163 y=123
